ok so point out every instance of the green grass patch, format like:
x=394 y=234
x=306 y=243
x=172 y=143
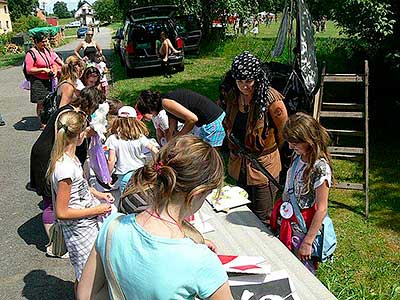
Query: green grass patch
x=65 y=21
x=11 y=60
x=367 y=260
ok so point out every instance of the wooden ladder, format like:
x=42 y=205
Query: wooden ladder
x=357 y=114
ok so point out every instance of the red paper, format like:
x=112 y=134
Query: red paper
x=246 y=267
x=226 y=258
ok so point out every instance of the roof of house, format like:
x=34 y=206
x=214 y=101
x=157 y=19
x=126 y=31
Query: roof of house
x=3 y=1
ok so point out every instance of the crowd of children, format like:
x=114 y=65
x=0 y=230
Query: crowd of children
x=175 y=172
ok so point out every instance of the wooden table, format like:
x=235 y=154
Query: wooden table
x=240 y=232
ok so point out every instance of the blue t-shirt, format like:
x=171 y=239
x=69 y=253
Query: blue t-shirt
x=151 y=267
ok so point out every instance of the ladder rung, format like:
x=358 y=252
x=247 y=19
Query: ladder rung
x=347 y=157
x=341 y=114
x=350 y=186
x=346 y=150
x=346 y=132
x=342 y=78
x=354 y=106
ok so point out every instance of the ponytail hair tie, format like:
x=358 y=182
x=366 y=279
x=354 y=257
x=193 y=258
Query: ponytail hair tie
x=157 y=167
x=65 y=127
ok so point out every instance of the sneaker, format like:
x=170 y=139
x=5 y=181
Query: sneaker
x=49 y=253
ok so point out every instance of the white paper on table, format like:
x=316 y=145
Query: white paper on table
x=199 y=222
x=230 y=197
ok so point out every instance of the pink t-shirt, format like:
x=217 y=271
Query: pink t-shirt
x=43 y=60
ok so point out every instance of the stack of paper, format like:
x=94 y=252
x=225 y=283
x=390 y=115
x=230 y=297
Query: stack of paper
x=229 y=197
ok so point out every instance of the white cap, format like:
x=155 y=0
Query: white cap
x=127 y=112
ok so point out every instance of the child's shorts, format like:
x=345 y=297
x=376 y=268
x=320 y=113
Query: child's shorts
x=213 y=133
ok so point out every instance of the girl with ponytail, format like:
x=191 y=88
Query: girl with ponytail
x=76 y=205
x=150 y=255
x=71 y=71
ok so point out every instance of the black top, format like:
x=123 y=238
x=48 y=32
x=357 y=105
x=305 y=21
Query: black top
x=239 y=126
x=41 y=152
x=205 y=109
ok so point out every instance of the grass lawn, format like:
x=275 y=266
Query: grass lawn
x=11 y=59
x=367 y=260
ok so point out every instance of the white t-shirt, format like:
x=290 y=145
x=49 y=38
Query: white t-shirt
x=161 y=121
x=67 y=167
x=130 y=155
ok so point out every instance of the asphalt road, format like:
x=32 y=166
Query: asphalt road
x=25 y=272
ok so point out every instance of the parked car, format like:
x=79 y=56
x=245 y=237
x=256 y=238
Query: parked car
x=73 y=24
x=137 y=41
x=189 y=28
x=81 y=32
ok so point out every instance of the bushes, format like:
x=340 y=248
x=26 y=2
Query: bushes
x=24 y=23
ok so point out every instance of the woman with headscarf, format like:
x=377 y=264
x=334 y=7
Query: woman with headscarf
x=255 y=115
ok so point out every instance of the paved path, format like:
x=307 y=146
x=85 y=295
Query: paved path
x=26 y=273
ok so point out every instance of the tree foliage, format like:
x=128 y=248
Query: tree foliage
x=25 y=23
x=20 y=8
x=60 y=9
x=105 y=9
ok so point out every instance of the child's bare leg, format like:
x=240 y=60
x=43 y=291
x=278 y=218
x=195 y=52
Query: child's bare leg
x=172 y=47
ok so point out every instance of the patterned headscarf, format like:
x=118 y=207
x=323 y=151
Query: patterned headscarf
x=246 y=66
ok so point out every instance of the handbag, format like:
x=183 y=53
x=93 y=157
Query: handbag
x=113 y=285
x=98 y=160
x=324 y=244
x=57 y=241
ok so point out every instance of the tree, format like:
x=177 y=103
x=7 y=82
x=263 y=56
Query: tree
x=24 y=23
x=20 y=8
x=105 y=9
x=60 y=9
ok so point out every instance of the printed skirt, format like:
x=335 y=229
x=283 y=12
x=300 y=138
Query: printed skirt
x=80 y=236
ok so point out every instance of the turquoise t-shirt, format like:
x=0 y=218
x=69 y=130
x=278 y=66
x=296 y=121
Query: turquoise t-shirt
x=148 y=267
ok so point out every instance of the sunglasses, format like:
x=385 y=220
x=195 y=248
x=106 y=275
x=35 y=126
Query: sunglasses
x=86 y=118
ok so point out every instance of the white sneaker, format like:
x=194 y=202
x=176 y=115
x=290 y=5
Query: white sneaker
x=49 y=252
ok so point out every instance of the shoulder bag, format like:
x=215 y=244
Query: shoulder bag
x=113 y=285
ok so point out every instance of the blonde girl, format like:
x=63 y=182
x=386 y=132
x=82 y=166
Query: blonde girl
x=127 y=145
x=71 y=71
x=308 y=181
x=172 y=266
x=75 y=207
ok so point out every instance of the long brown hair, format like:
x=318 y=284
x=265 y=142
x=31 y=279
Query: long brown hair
x=185 y=165
x=302 y=128
x=69 y=125
x=128 y=128
x=68 y=70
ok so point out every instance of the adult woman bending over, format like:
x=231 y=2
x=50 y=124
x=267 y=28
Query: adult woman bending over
x=150 y=255
x=195 y=111
x=255 y=115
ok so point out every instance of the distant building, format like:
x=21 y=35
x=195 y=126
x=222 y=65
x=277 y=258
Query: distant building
x=40 y=15
x=5 y=21
x=85 y=14
x=52 y=21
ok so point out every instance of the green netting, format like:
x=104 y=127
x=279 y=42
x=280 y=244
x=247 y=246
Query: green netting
x=50 y=30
